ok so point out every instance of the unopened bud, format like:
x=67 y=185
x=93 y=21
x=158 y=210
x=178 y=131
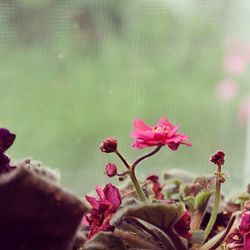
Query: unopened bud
x=218 y=158
x=110 y=169
x=109 y=145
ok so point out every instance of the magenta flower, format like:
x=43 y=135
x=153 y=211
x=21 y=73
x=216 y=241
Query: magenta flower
x=157 y=187
x=102 y=209
x=164 y=133
x=245 y=229
x=6 y=140
x=182 y=226
x=110 y=169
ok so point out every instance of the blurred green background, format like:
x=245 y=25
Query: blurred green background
x=73 y=72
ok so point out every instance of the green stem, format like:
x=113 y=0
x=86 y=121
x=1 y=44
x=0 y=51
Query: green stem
x=137 y=185
x=215 y=205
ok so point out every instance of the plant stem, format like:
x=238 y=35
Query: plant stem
x=131 y=170
x=122 y=159
x=136 y=162
x=137 y=185
x=215 y=205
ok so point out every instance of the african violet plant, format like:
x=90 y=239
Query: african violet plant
x=181 y=212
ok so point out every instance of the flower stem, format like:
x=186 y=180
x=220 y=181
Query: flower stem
x=122 y=159
x=216 y=203
x=131 y=170
x=137 y=185
x=136 y=162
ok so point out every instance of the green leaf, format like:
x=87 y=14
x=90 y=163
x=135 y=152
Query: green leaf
x=104 y=241
x=158 y=214
x=201 y=199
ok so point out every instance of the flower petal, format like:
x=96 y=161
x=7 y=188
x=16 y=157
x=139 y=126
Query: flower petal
x=112 y=194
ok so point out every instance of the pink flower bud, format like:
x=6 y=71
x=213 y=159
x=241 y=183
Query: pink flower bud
x=109 y=145
x=110 y=169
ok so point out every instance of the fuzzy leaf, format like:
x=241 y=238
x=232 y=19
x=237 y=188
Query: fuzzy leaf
x=144 y=235
x=35 y=213
x=158 y=214
x=201 y=200
x=104 y=241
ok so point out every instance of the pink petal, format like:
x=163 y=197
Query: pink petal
x=100 y=192
x=92 y=201
x=164 y=122
x=84 y=221
x=247 y=241
x=112 y=194
x=141 y=125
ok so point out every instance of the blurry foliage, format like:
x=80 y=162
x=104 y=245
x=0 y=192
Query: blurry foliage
x=74 y=72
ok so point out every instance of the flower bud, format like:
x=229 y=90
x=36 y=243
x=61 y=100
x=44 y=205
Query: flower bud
x=110 y=169
x=218 y=158
x=109 y=145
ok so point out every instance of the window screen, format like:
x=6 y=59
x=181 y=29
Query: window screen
x=73 y=72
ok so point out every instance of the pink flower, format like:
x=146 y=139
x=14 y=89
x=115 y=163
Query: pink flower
x=157 y=187
x=182 y=226
x=227 y=90
x=102 y=209
x=110 y=169
x=164 y=133
x=235 y=63
x=245 y=229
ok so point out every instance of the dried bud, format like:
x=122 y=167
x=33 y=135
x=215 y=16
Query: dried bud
x=218 y=158
x=110 y=169
x=109 y=145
